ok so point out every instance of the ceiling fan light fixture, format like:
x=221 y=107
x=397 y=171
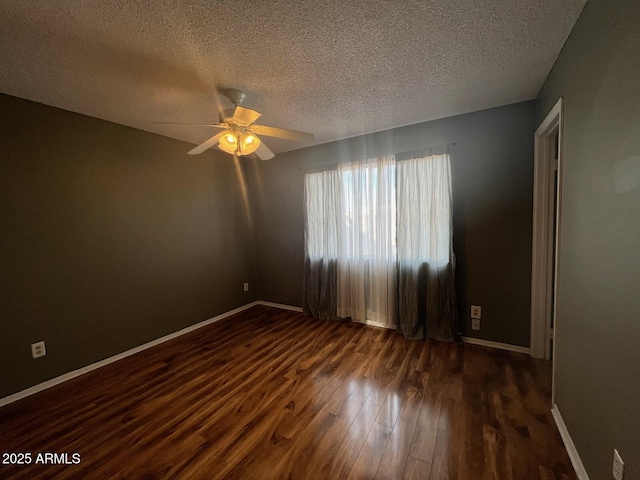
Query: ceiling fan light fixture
x=249 y=143
x=239 y=142
x=239 y=136
x=228 y=143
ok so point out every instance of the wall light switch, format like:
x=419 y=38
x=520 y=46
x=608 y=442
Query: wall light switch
x=476 y=311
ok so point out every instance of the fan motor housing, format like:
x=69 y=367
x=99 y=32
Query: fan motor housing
x=236 y=96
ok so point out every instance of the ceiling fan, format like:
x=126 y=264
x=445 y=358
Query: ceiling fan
x=240 y=134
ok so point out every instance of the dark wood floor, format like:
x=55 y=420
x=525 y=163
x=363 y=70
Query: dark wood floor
x=274 y=394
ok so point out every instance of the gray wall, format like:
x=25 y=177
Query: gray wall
x=598 y=331
x=110 y=237
x=492 y=168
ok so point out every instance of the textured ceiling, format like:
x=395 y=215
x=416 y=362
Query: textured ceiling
x=333 y=68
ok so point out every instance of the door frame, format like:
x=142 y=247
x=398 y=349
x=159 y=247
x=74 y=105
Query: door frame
x=542 y=292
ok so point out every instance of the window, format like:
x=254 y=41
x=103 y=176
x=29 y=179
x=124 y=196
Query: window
x=385 y=221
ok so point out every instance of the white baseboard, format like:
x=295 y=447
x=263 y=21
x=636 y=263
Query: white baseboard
x=279 y=305
x=81 y=371
x=581 y=472
x=501 y=346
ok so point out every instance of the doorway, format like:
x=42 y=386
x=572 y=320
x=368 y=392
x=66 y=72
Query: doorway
x=546 y=233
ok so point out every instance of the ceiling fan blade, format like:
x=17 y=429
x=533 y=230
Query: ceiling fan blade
x=245 y=116
x=203 y=146
x=215 y=125
x=263 y=152
x=282 y=133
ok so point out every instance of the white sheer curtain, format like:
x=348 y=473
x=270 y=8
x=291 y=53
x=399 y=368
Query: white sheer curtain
x=367 y=241
x=424 y=211
x=321 y=192
x=321 y=215
x=426 y=263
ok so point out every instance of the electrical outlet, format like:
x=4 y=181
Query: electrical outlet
x=618 y=466
x=476 y=311
x=246 y=287
x=38 y=350
x=475 y=323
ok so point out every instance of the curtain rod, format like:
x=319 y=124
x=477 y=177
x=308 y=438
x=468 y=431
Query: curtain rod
x=407 y=155
x=425 y=152
x=321 y=168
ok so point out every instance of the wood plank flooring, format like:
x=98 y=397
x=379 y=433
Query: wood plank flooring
x=273 y=394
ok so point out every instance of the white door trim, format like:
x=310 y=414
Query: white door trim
x=543 y=241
